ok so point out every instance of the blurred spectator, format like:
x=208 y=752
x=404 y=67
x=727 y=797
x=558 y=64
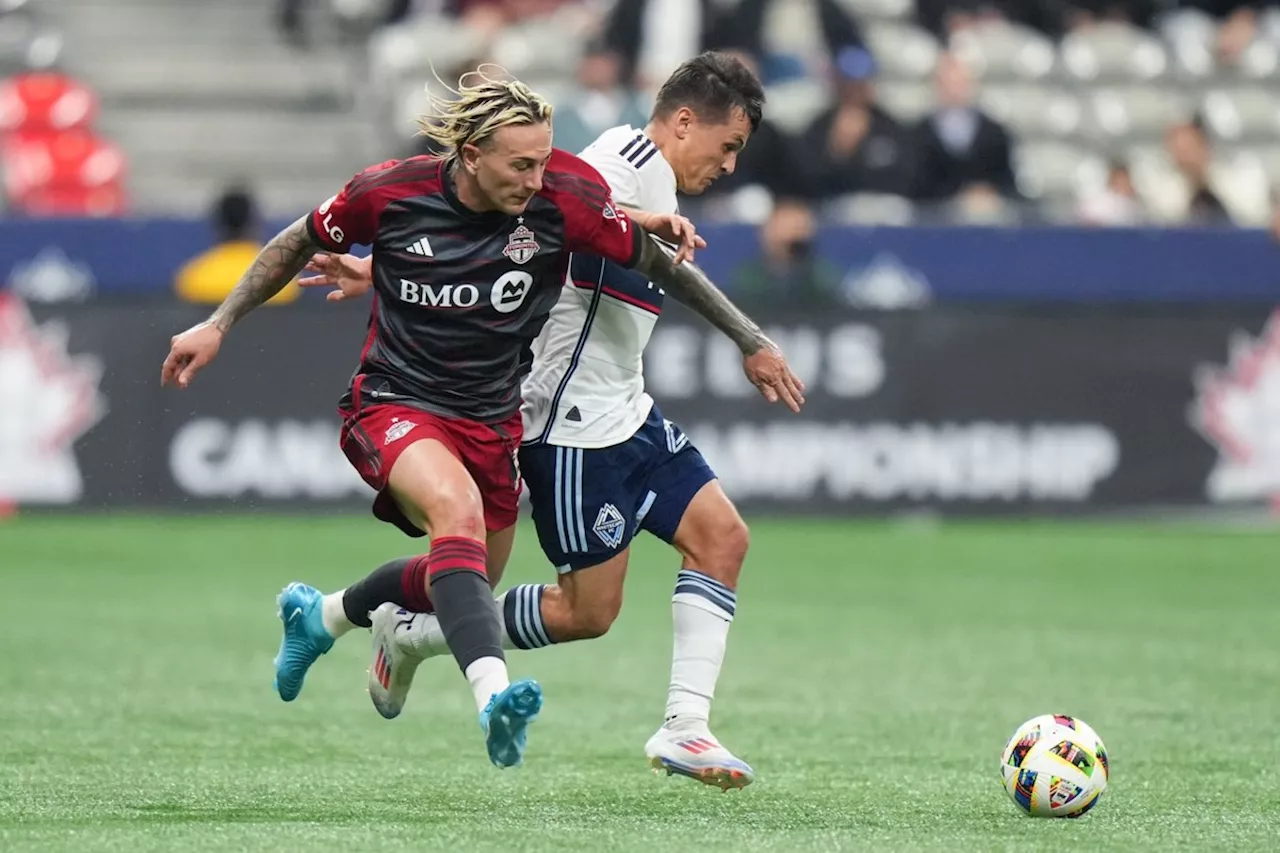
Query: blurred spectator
x=1079 y=14
x=1114 y=205
x=943 y=18
x=958 y=146
x=209 y=277
x=1230 y=25
x=290 y=15
x=855 y=146
x=490 y=17
x=654 y=36
x=786 y=39
x=787 y=270
x=1188 y=148
x=597 y=103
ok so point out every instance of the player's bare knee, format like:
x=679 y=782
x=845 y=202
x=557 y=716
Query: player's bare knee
x=468 y=525
x=457 y=511
x=720 y=548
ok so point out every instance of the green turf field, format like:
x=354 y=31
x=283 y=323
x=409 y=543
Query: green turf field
x=873 y=676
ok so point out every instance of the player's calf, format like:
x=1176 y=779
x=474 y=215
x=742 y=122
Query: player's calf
x=586 y=602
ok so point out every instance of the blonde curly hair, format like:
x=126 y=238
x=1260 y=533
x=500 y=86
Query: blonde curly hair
x=482 y=104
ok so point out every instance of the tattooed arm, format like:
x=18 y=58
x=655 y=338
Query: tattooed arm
x=276 y=265
x=762 y=360
x=692 y=287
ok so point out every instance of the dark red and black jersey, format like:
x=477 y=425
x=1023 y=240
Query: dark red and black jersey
x=459 y=296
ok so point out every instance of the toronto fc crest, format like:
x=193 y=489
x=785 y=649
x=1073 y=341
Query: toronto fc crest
x=521 y=246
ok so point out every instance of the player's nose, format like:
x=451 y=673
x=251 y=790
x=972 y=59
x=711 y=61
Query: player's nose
x=730 y=163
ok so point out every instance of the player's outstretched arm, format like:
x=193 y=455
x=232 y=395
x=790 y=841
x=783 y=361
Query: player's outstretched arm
x=762 y=361
x=276 y=265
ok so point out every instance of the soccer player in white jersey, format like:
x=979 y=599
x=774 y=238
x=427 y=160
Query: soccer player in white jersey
x=600 y=461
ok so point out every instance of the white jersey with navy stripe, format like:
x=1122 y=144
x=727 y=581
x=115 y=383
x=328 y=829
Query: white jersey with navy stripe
x=586 y=387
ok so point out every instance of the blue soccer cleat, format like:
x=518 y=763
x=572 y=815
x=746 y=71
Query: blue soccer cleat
x=506 y=720
x=305 y=638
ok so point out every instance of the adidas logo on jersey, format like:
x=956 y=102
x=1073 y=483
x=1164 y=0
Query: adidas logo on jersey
x=421 y=247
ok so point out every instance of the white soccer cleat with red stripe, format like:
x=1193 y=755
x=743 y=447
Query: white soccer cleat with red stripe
x=392 y=668
x=694 y=752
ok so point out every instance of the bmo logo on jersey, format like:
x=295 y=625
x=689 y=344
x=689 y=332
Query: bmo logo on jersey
x=439 y=296
x=506 y=294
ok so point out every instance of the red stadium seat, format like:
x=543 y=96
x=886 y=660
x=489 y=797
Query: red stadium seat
x=106 y=200
x=64 y=173
x=45 y=101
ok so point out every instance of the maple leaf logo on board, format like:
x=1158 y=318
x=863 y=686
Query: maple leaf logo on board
x=51 y=398
x=1237 y=410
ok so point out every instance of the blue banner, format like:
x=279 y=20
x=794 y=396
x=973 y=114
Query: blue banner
x=61 y=259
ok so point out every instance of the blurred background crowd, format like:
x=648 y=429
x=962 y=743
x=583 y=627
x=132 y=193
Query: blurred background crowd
x=1110 y=113
x=1093 y=112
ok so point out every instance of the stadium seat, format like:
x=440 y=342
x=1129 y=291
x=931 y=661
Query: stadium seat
x=56 y=169
x=792 y=105
x=1134 y=111
x=44 y=101
x=906 y=101
x=1033 y=111
x=1001 y=51
x=1113 y=52
x=1242 y=113
x=1055 y=168
x=902 y=50
x=869 y=209
x=1260 y=60
x=1190 y=35
x=102 y=201
x=27 y=43
x=1269 y=157
x=864 y=10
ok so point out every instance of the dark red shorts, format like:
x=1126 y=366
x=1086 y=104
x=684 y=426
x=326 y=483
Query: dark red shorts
x=374 y=437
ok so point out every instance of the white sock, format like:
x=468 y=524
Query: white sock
x=334 y=615
x=425 y=638
x=702 y=610
x=487 y=676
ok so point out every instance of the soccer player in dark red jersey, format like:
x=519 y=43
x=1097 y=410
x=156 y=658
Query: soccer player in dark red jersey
x=469 y=254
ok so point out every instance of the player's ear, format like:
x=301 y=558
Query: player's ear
x=684 y=119
x=471 y=158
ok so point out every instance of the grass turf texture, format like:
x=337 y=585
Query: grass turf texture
x=873 y=675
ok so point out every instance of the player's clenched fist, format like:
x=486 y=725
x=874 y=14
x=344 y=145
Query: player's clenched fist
x=190 y=351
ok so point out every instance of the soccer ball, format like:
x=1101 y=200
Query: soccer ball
x=1055 y=766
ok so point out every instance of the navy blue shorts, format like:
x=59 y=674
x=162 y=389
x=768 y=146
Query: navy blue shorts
x=589 y=503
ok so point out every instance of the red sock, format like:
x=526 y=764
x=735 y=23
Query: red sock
x=448 y=554
x=456 y=554
x=413 y=582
